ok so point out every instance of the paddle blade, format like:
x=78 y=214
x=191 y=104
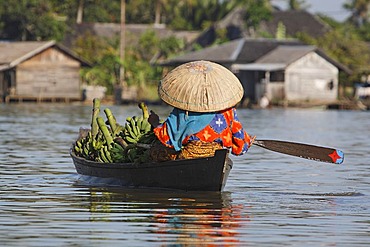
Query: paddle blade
x=301 y=150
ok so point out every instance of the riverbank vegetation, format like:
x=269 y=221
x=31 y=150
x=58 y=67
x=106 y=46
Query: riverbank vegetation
x=347 y=42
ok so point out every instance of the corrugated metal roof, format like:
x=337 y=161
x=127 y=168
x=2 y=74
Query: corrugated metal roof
x=219 y=53
x=248 y=51
x=253 y=49
x=244 y=50
x=286 y=54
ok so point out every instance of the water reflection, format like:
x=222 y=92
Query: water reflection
x=178 y=217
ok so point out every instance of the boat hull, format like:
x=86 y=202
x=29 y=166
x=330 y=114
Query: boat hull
x=202 y=174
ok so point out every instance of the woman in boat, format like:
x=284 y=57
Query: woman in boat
x=204 y=95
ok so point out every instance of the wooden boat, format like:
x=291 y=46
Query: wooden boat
x=201 y=174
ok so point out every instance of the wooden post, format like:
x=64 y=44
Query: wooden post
x=121 y=85
x=122 y=41
x=80 y=11
x=157 y=19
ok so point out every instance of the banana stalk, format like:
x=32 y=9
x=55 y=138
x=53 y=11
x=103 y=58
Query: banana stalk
x=121 y=142
x=111 y=119
x=95 y=114
x=104 y=129
x=144 y=109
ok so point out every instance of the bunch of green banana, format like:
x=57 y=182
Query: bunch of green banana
x=143 y=156
x=117 y=150
x=136 y=153
x=97 y=142
x=88 y=147
x=104 y=155
x=135 y=128
x=114 y=153
x=110 y=142
x=115 y=128
x=82 y=147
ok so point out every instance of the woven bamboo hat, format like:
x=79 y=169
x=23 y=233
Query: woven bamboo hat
x=201 y=86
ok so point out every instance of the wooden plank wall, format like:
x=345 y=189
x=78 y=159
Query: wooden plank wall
x=309 y=77
x=50 y=74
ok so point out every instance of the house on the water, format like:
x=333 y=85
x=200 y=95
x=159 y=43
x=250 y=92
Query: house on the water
x=280 y=69
x=39 y=71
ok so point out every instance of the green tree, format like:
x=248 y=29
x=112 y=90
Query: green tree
x=280 y=31
x=344 y=45
x=30 y=20
x=364 y=31
x=360 y=11
x=257 y=11
x=195 y=15
x=297 y=4
x=140 y=11
x=104 y=54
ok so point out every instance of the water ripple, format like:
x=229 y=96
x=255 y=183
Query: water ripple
x=270 y=199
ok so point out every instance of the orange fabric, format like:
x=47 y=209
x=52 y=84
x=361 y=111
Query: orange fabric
x=225 y=128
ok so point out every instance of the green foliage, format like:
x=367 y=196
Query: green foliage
x=101 y=11
x=50 y=19
x=170 y=46
x=148 y=45
x=93 y=10
x=105 y=73
x=221 y=36
x=364 y=32
x=297 y=4
x=344 y=45
x=280 y=31
x=104 y=55
x=330 y=21
x=138 y=69
x=140 y=11
x=195 y=15
x=360 y=11
x=30 y=20
x=257 y=11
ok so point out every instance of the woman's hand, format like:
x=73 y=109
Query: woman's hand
x=153 y=119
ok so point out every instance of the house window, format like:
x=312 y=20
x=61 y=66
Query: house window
x=277 y=76
x=331 y=85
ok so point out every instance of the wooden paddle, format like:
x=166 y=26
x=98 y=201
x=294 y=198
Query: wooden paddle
x=301 y=150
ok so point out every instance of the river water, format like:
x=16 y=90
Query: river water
x=270 y=199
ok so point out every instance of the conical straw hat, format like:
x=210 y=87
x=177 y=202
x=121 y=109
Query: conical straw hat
x=201 y=86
